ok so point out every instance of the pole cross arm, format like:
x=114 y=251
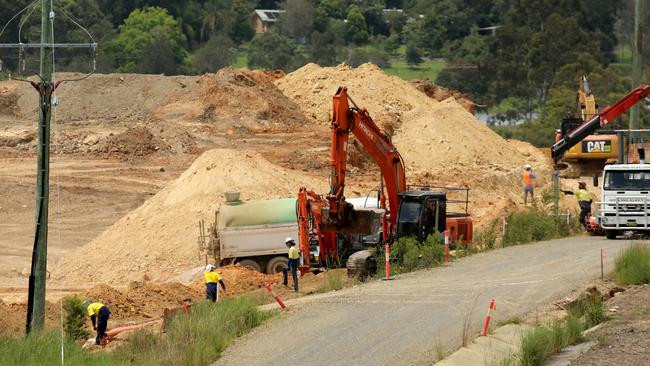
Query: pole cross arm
x=49 y=45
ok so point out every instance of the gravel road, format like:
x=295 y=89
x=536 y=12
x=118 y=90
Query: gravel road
x=401 y=322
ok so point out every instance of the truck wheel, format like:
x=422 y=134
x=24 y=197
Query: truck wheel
x=610 y=234
x=249 y=263
x=276 y=265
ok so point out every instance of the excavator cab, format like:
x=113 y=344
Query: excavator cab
x=421 y=213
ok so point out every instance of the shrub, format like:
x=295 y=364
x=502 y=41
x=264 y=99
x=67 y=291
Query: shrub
x=534 y=224
x=75 y=318
x=487 y=237
x=632 y=266
x=408 y=255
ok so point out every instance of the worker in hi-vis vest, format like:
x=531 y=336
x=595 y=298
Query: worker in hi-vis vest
x=584 y=200
x=99 y=314
x=528 y=178
x=211 y=279
x=293 y=263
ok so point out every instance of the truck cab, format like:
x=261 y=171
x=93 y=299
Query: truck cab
x=624 y=200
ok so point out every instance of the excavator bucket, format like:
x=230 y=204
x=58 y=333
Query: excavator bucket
x=354 y=222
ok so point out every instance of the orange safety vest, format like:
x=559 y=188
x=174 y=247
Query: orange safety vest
x=528 y=179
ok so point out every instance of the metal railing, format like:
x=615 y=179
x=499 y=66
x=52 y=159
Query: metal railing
x=445 y=189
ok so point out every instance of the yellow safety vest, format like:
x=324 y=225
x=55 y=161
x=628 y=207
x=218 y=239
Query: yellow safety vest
x=93 y=309
x=293 y=252
x=211 y=277
x=582 y=195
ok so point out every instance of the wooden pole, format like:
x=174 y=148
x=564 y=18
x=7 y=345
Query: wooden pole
x=37 y=278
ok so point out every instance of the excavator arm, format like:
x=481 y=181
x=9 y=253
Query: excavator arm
x=355 y=120
x=321 y=216
x=601 y=119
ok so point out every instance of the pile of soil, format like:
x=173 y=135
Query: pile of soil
x=312 y=87
x=231 y=97
x=135 y=141
x=441 y=93
x=441 y=142
x=241 y=279
x=14 y=315
x=142 y=299
x=159 y=237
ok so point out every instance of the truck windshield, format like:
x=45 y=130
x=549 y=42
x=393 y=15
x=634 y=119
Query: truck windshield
x=631 y=180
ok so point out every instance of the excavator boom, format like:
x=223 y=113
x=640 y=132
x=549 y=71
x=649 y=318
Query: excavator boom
x=601 y=119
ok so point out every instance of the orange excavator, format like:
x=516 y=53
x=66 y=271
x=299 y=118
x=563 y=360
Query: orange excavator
x=416 y=213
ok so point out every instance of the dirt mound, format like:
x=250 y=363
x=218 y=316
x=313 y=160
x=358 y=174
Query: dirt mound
x=312 y=87
x=441 y=142
x=135 y=141
x=8 y=98
x=231 y=96
x=12 y=318
x=441 y=93
x=234 y=96
x=159 y=238
x=241 y=279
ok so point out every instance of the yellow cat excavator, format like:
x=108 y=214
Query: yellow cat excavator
x=594 y=151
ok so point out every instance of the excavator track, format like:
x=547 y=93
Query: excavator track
x=361 y=264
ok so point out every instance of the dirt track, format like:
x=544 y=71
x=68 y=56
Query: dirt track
x=400 y=322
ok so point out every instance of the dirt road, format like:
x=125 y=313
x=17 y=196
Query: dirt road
x=401 y=322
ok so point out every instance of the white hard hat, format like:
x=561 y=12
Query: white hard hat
x=288 y=240
x=527 y=166
x=209 y=268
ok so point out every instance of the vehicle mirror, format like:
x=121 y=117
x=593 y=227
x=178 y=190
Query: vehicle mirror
x=595 y=177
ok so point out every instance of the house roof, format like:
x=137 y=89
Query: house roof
x=268 y=15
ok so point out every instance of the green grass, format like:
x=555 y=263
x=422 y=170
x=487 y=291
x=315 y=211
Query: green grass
x=241 y=60
x=543 y=341
x=194 y=339
x=45 y=349
x=513 y=320
x=428 y=69
x=334 y=282
x=590 y=308
x=632 y=266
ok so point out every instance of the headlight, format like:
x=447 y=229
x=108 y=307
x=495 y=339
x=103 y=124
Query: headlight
x=604 y=220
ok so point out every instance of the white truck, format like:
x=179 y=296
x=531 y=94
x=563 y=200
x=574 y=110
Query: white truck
x=625 y=199
x=252 y=233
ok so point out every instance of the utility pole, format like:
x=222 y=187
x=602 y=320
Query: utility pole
x=637 y=65
x=36 y=299
x=45 y=88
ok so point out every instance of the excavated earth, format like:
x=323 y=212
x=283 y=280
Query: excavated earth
x=138 y=160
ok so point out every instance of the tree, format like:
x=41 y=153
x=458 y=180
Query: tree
x=159 y=57
x=218 y=16
x=412 y=55
x=271 y=50
x=323 y=48
x=333 y=8
x=356 y=28
x=215 y=54
x=242 y=29
x=151 y=25
x=297 y=20
x=359 y=56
